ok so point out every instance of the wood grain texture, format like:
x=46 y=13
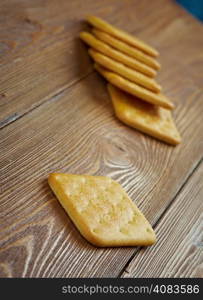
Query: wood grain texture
x=76 y=131
x=41 y=54
x=178 y=252
x=79 y=134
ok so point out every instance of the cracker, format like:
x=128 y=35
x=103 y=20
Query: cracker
x=122 y=35
x=124 y=71
x=150 y=119
x=134 y=89
x=127 y=49
x=101 y=210
x=100 y=46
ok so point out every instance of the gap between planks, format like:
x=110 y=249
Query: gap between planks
x=171 y=16
x=193 y=171
x=52 y=98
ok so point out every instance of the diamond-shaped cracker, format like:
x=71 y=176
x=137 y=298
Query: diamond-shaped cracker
x=102 y=210
x=148 y=118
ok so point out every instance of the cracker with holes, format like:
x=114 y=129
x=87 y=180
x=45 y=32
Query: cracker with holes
x=102 y=210
x=150 y=119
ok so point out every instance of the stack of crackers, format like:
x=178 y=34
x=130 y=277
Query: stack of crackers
x=130 y=66
x=99 y=207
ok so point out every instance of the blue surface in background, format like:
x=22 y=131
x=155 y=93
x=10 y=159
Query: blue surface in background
x=195 y=7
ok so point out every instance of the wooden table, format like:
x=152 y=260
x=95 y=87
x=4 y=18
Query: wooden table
x=56 y=115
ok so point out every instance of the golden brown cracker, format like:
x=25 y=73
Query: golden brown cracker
x=134 y=89
x=122 y=35
x=124 y=71
x=150 y=119
x=127 y=49
x=102 y=210
x=102 y=47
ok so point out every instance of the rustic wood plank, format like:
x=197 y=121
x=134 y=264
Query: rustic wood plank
x=77 y=132
x=41 y=55
x=178 y=252
x=40 y=52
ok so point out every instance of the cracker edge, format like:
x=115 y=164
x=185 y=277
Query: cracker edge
x=84 y=230
x=139 y=127
x=122 y=83
x=122 y=35
x=70 y=211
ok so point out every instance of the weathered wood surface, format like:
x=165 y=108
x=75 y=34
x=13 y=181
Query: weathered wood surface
x=180 y=233
x=41 y=54
x=34 y=226
x=75 y=131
